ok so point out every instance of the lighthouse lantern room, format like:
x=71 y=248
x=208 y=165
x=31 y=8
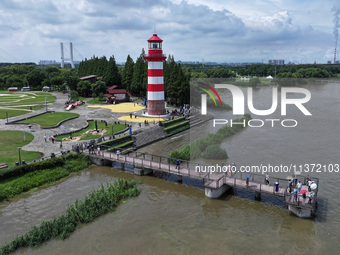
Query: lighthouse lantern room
x=155 y=60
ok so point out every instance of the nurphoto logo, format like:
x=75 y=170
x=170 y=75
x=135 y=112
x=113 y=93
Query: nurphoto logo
x=239 y=105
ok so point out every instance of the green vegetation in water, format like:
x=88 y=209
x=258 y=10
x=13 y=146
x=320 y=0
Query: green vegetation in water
x=19 y=179
x=98 y=202
x=206 y=147
x=214 y=151
x=86 y=135
x=10 y=141
x=50 y=119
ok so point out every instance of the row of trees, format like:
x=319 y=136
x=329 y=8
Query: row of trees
x=37 y=77
x=107 y=69
x=133 y=75
x=302 y=71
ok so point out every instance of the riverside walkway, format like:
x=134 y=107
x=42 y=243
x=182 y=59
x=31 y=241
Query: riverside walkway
x=215 y=183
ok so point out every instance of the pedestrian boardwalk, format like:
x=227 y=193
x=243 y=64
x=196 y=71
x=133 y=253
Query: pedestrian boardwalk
x=213 y=180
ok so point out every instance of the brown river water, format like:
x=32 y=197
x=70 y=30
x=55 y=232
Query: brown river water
x=172 y=218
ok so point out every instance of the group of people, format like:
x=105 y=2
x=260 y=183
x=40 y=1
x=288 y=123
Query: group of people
x=295 y=187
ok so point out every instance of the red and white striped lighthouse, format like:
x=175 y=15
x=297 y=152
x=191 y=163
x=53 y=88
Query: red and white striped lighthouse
x=155 y=60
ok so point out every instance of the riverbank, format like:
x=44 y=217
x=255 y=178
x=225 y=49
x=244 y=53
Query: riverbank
x=20 y=179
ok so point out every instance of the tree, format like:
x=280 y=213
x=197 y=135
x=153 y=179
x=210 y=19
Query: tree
x=14 y=81
x=57 y=81
x=98 y=88
x=128 y=73
x=111 y=74
x=35 y=78
x=74 y=95
x=140 y=76
x=84 y=88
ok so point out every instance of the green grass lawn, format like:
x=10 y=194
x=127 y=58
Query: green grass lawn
x=50 y=119
x=10 y=141
x=18 y=103
x=95 y=101
x=84 y=135
x=11 y=113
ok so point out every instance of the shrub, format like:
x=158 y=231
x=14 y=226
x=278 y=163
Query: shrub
x=18 y=171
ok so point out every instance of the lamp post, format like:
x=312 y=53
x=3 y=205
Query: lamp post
x=7 y=116
x=46 y=103
x=24 y=135
x=112 y=130
x=19 y=148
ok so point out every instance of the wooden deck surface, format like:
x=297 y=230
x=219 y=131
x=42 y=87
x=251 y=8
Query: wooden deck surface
x=212 y=180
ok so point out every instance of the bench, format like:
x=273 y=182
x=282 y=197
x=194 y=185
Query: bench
x=3 y=165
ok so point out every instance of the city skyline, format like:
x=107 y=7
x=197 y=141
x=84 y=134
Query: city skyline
x=193 y=30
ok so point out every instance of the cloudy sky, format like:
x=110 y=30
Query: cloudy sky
x=300 y=31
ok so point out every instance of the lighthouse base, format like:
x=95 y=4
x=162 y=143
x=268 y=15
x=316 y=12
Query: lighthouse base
x=156 y=107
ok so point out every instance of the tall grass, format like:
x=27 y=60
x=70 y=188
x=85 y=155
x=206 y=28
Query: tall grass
x=96 y=203
x=206 y=147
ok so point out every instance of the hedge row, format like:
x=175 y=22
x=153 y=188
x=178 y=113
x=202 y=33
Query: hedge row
x=18 y=171
x=121 y=145
x=170 y=122
x=179 y=129
x=176 y=126
x=114 y=141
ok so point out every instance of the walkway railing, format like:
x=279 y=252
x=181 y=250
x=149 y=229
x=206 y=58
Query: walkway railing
x=214 y=180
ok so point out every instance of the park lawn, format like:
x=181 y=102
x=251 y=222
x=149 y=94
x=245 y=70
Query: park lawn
x=95 y=101
x=26 y=98
x=17 y=102
x=100 y=126
x=10 y=141
x=50 y=119
x=11 y=113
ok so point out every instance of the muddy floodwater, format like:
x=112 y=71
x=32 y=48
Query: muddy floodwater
x=172 y=218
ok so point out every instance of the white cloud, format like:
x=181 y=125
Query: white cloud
x=194 y=29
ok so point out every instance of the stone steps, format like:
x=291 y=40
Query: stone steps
x=149 y=136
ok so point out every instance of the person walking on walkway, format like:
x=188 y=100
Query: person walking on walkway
x=103 y=139
x=276 y=186
x=290 y=185
x=45 y=138
x=295 y=180
x=299 y=186
x=178 y=163
x=295 y=192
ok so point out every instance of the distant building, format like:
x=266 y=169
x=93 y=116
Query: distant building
x=114 y=95
x=48 y=62
x=91 y=78
x=54 y=63
x=276 y=62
